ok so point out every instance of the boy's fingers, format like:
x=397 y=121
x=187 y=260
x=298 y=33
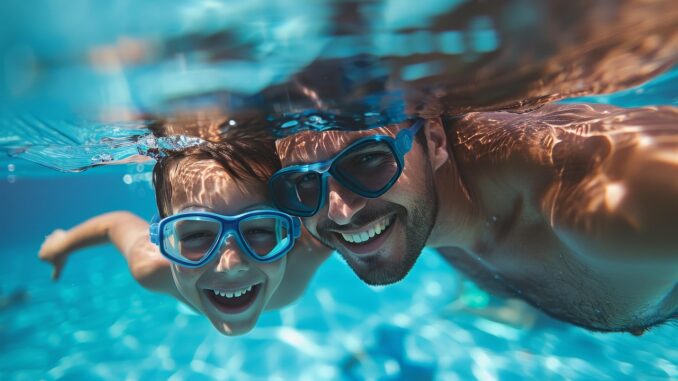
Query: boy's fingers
x=56 y=272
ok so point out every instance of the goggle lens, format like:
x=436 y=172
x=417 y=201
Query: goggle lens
x=265 y=236
x=367 y=167
x=298 y=192
x=191 y=238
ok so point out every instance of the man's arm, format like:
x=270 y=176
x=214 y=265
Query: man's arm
x=604 y=177
x=615 y=194
x=130 y=236
x=606 y=181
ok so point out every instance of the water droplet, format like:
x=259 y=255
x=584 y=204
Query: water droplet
x=232 y=122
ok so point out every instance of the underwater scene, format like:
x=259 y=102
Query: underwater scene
x=339 y=190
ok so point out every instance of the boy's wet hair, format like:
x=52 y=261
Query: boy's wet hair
x=245 y=151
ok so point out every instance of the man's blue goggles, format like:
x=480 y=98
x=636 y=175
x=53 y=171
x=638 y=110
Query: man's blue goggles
x=191 y=239
x=369 y=167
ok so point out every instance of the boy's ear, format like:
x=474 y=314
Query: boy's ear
x=437 y=142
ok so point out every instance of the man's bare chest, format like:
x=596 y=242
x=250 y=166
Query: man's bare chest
x=526 y=260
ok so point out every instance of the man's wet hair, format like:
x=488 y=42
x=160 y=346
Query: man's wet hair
x=246 y=152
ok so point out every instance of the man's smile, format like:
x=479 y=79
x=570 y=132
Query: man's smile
x=366 y=239
x=366 y=233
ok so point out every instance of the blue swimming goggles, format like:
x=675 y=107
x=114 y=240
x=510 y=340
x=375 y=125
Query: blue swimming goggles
x=369 y=167
x=191 y=239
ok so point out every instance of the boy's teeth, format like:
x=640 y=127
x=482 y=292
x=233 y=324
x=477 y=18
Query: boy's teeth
x=364 y=236
x=236 y=293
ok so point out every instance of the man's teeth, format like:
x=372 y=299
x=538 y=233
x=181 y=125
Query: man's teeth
x=367 y=234
x=232 y=294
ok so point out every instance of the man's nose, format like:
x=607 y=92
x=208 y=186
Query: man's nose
x=343 y=204
x=231 y=257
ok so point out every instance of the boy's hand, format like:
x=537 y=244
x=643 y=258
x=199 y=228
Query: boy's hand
x=54 y=250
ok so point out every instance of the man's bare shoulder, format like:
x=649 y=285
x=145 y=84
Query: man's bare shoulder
x=558 y=140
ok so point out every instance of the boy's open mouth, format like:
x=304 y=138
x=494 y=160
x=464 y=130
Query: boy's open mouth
x=369 y=239
x=233 y=301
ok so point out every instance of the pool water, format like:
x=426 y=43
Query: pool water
x=96 y=323
x=76 y=86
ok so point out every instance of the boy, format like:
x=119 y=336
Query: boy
x=222 y=246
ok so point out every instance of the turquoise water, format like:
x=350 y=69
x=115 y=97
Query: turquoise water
x=96 y=323
x=65 y=72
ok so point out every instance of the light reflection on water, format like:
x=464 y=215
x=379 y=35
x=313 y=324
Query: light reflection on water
x=73 y=81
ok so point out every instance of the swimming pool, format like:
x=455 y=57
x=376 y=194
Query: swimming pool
x=97 y=323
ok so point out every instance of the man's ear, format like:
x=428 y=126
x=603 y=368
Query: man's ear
x=437 y=142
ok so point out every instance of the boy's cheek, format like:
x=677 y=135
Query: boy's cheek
x=183 y=271
x=274 y=271
x=184 y=275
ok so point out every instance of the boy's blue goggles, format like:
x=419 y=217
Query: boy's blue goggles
x=191 y=239
x=369 y=167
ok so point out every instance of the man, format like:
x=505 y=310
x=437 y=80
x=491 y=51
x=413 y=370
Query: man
x=571 y=208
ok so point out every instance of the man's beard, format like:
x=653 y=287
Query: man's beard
x=419 y=221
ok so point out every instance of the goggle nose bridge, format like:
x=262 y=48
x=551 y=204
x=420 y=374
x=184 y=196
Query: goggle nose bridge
x=220 y=246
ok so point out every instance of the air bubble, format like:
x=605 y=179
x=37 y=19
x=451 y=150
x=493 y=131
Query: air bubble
x=317 y=122
x=127 y=179
x=102 y=158
x=11 y=167
x=150 y=142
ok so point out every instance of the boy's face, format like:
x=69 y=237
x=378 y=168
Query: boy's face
x=404 y=215
x=205 y=186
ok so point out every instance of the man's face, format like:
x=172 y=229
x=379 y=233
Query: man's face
x=379 y=238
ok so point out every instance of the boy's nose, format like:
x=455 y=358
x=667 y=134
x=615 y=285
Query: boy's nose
x=231 y=257
x=343 y=204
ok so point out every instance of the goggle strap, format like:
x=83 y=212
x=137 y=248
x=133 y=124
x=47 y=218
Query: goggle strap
x=405 y=138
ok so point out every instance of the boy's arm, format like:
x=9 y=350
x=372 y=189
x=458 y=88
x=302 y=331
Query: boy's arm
x=302 y=262
x=130 y=236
